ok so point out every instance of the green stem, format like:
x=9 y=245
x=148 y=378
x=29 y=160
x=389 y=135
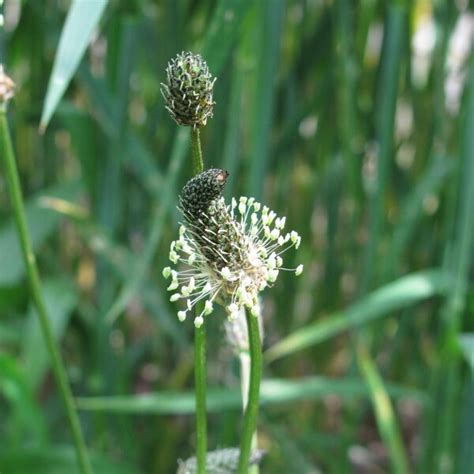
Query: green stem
x=200 y=383
x=244 y=358
x=198 y=164
x=251 y=412
x=199 y=344
x=59 y=370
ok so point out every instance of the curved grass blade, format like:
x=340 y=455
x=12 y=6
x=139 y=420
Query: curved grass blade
x=400 y=294
x=272 y=392
x=81 y=20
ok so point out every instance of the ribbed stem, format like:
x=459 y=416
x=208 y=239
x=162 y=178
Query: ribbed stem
x=251 y=412
x=198 y=164
x=59 y=370
x=199 y=344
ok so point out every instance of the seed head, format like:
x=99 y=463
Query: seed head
x=232 y=252
x=188 y=90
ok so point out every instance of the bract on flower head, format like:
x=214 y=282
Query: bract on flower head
x=229 y=253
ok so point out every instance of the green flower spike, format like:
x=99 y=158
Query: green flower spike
x=188 y=91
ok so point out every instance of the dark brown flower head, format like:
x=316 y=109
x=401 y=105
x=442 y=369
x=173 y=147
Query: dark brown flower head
x=198 y=194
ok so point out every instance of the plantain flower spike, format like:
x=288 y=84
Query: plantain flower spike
x=188 y=90
x=225 y=253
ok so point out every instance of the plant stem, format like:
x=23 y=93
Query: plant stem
x=251 y=412
x=200 y=383
x=59 y=370
x=198 y=164
x=199 y=343
x=244 y=358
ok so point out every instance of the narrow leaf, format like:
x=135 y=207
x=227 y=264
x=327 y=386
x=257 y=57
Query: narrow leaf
x=400 y=294
x=82 y=18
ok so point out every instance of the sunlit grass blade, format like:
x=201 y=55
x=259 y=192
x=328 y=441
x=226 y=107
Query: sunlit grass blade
x=386 y=421
x=272 y=392
x=402 y=293
x=81 y=20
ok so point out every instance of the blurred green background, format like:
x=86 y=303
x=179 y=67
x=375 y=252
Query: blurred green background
x=355 y=119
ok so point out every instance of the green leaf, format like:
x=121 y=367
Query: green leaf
x=272 y=392
x=81 y=20
x=41 y=222
x=60 y=299
x=400 y=294
x=56 y=460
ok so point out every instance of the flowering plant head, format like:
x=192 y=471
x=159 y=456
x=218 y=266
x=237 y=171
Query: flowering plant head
x=230 y=253
x=188 y=90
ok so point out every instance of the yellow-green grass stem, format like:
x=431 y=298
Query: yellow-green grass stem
x=59 y=370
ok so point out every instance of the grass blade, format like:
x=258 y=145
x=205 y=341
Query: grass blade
x=386 y=421
x=272 y=392
x=81 y=20
x=400 y=294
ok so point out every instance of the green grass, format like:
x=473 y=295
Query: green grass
x=370 y=348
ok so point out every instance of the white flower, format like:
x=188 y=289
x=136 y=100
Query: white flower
x=230 y=252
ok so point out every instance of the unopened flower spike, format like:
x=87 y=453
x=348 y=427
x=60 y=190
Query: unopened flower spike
x=225 y=253
x=188 y=90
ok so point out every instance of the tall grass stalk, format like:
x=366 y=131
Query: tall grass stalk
x=251 y=412
x=34 y=281
x=199 y=342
